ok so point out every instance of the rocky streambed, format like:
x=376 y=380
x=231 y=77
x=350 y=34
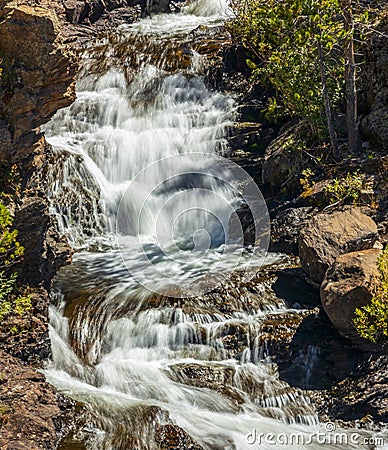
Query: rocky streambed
x=167 y=370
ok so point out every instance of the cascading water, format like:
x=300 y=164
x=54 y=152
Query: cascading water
x=140 y=360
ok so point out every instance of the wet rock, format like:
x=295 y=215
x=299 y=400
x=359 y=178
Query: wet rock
x=218 y=377
x=75 y=10
x=278 y=330
x=30 y=415
x=293 y=287
x=329 y=235
x=250 y=230
x=233 y=293
x=172 y=437
x=244 y=134
x=349 y=284
x=247 y=383
x=90 y=11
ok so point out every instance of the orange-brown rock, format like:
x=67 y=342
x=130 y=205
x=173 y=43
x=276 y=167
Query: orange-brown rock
x=348 y=285
x=327 y=236
x=29 y=408
x=38 y=74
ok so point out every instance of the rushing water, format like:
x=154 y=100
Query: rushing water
x=136 y=156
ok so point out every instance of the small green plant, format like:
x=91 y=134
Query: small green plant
x=371 y=321
x=349 y=188
x=6 y=289
x=11 y=302
x=10 y=249
x=305 y=179
x=4 y=410
x=7 y=72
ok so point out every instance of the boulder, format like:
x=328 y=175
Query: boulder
x=327 y=236
x=282 y=159
x=348 y=285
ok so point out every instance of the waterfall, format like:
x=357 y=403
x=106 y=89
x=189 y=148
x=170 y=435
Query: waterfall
x=141 y=190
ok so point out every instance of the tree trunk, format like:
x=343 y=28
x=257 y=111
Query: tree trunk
x=350 y=80
x=326 y=100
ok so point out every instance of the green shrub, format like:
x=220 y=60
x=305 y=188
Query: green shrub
x=371 y=321
x=282 y=38
x=11 y=302
x=348 y=188
x=10 y=249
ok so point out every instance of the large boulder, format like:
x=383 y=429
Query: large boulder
x=327 y=236
x=348 y=285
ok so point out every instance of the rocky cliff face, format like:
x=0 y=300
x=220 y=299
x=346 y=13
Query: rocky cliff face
x=37 y=79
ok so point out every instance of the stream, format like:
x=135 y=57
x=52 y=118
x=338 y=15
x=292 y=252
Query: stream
x=156 y=324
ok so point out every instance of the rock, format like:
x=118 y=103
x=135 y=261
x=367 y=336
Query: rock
x=30 y=413
x=90 y=11
x=245 y=229
x=75 y=10
x=40 y=73
x=242 y=382
x=40 y=69
x=38 y=79
x=45 y=251
x=282 y=159
x=318 y=356
x=348 y=285
x=218 y=377
x=329 y=235
x=375 y=124
x=172 y=437
x=364 y=393
x=373 y=88
x=31 y=342
x=150 y=7
x=244 y=134
x=286 y=224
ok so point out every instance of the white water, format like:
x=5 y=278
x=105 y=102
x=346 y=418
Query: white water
x=116 y=347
